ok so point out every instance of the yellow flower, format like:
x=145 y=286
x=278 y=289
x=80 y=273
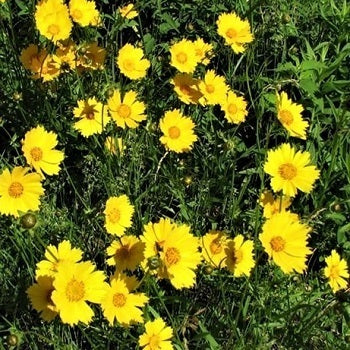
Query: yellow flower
x=178 y=131
x=127 y=253
x=84 y=12
x=55 y=257
x=271 y=205
x=213 y=88
x=156 y=336
x=93 y=117
x=19 y=191
x=289 y=114
x=118 y=214
x=37 y=148
x=186 y=88
x=131 y=63
x=290 y=170
x=40 y=297
x=239 y=256
x=122 y=305
x=65 y=55
x=127 y=111
x=115 y=147
x=74 y=285
x=336 y=271
x=91 y=56
x=213 y=248
x=285 y=240
x=128 y=11
x=183 y=56
x=52 y=19
x=235 y=31
x=203 y=51
x=235 y=108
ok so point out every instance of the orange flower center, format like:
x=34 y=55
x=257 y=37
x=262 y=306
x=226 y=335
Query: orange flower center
x=128 y=65
x=216 y=246
x=287 y=171
x=181 y=57
x=154 y=342
x=114 y=215
x=172 y=256
x=174 y=132
x=124 y=110
x=119 y=300
x=77 y=14
x=75 y=290
x=286 y=117
x=36 y=153
x=210 y=88
x=53 y=29
x=277 y=244
x=123 y=252
x=15 y=190
x=185 y=89
x=231 y=33
x=232 y=108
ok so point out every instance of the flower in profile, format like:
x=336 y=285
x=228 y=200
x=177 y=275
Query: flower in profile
x=40 y=297
x=235 y=31
x=118 y=214
x=289 y=114
x=131 y=63
x=214 y=88
x=19 y=191
x=126 y=111
x=203 y=51
x=75 y=284
x=52 y=19
x=239 y=256
x=128 y=11
x=115 y=146
x=120 y=304
x=84 y=12
x=56 y=257
x=336 y=271
x=273 y=205
x=183 y=56
x=38 y=149
x=126 y=253
x=235 y=108
x=178 y=131
x=186 y=88
x=213 y=248
x=91 y=56
x=157 y=336
x=93 y=117
x=290 y=170
x=284 y=239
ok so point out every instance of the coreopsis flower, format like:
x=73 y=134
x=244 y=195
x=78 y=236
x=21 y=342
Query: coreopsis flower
x=183 y=56
x=40 y=297
x=235 y=108
x=52 y=19
x=157 y=336
x=75 y=284
x=19 y=191
x=38 y=149
x=235 y=31
x=126 y=253
x=203 y=51
x=92 y=115
x=178 y=135
x=65 y=55
x=118 y=214
x=273 y=205
x=126 y=111
x=239 y=256
x=285 y=241
x=289 y=114
x=55 y=257
x=214 y=88
x=290 y=170
x=115 y=146
x=131 y=63
x=91 y=56
x=128 y=11
x=84 y=12
x=186 y=88
x=336 y=271
x=213 y=248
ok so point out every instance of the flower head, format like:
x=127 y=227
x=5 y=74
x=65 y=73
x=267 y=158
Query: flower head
x=271 y=205
x=202 y=50
x=157 y=336
x=214 y=88
x=128 y=11
x=336 y=271
x=186 y=88
x=91 y=56
x=235 y=108
x=213 y=248
x=84 y=12
x=183 y=56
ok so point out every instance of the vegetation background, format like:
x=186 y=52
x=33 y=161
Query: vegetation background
x=301 y=46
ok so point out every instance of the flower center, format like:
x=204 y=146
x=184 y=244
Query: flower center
x=287 y=171
x=75 y=290
x=114 y=215
x=119 y=300
x=277 y=244
x=172 y=256
x=181 y=57
x=185 y=89
x=154 y=342
x=232 y=108
x=231 y=33
x=128 y=65
x=334 y=272
x=124 y=110
x=53 y=29
x=216 y=246
x=15 y=190
x=174 y=132
x=36 y=153
x=123 y=252
x=286 y=117
x=77 y=14
x=210 y=88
